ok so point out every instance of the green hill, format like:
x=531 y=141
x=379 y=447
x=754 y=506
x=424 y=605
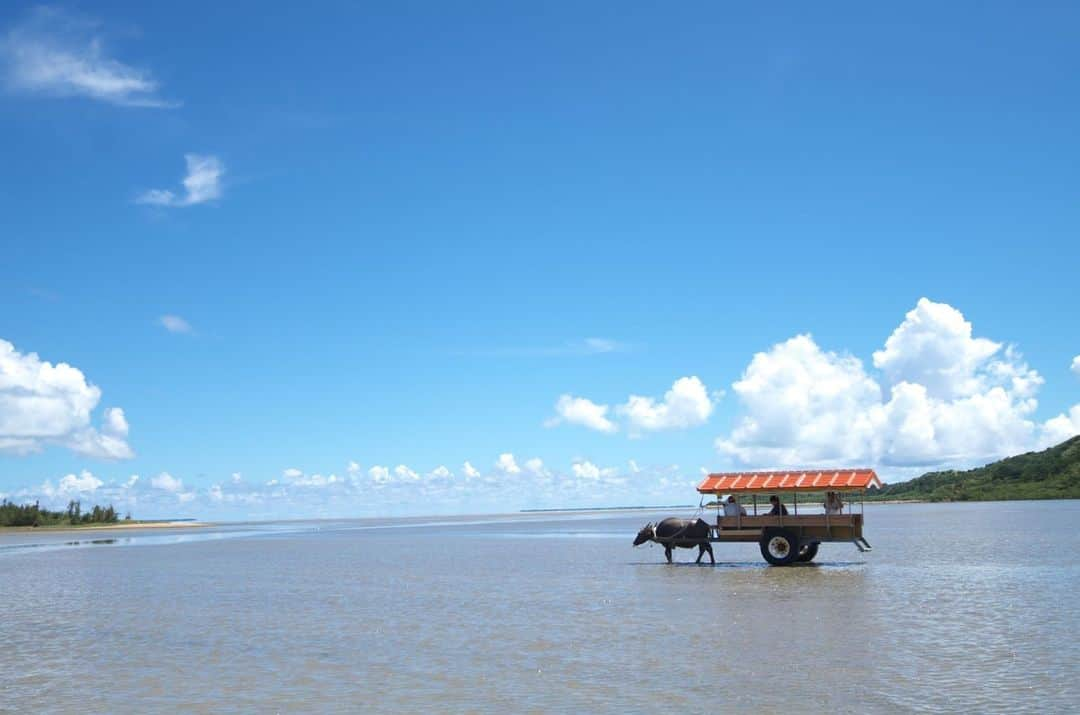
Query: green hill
x=1051 y=474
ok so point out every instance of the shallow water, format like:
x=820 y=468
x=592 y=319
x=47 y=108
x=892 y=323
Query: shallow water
x=960 y=607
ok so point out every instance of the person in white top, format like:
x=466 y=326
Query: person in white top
x=833 y=505
x=733 y=508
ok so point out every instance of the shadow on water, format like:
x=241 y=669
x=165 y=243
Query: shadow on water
x=816 y=565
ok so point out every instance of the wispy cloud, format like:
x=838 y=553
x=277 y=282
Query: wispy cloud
x=55 y=53
x=175 y=324
x=202 y=184
x=573 y=348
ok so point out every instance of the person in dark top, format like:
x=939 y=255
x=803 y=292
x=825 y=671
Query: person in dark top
x=777 y=507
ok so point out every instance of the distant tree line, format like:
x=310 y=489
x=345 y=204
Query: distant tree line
x=12 y=514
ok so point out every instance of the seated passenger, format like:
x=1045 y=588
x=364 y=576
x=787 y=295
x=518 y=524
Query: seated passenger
x=733 y=508
x=833 y=505
x=777 y=507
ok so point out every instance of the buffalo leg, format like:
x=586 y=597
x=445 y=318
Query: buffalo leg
x=708 y=547
x=700 y=553
x=667 y=553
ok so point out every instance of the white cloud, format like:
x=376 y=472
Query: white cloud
x=316 y=480
x=405 y=474
x=379 y=474
x=1060 y=428
x=202 y=184
x=805 y=405
x=43 y=404
x=634 y=468
x=506 y=464
x=292 y=473
x=72 y=486
x=585 y=470
x=175 y=324
x=535 y=466
x=353 y=468
x=581 y=411
x=687 y=404
x=933 y=347
x=1076 y=366
x=57 y=54
x=440 y=472
x=167 y=482
x=470 y=471
x=132 y=481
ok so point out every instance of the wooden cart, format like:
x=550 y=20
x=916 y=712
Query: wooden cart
x=791 y=538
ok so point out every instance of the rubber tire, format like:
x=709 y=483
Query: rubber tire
x=787 y=535
x=807 y=553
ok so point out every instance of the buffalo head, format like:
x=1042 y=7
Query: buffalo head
x=647 y=533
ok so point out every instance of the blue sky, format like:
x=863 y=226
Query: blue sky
x=409 y=230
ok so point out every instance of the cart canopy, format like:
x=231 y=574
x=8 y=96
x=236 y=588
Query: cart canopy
x=816 y=480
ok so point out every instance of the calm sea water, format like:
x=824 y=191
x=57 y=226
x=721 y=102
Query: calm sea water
x=959 y=608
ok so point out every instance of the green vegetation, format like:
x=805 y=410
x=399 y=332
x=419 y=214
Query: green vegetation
x=1051 y=474
x=34 y=515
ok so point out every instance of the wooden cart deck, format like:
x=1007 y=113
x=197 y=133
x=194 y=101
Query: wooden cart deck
x=808 y=527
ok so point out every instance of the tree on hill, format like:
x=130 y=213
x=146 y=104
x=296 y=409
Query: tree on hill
x=1053 y=473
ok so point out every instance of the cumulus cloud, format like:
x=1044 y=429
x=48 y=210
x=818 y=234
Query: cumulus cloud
x=583 y=412
x=175 y=324
x=934 y=348
x=1076 y=366
x=470 y=471
x=440 y=472
x=72 y=485
x=58 y=54
x=201 y=184
x=44 y=404
x=405 y=474
x=1060 y=428
x=946 y=396
x=687 y=404
x=167 y=482
x=379 y=474
x=506 y=464
x=585 y=470
x=297 y=493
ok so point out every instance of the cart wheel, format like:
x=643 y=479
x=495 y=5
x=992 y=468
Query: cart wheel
x=780 y=547
x=807 y=552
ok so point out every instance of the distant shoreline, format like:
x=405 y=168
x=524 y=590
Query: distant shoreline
x=609 y=508
x=118 y=526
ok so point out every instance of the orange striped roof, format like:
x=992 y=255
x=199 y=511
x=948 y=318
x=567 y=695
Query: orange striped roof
x=793 y=480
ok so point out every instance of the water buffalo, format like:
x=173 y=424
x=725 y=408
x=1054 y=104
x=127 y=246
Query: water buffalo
x=682 y=533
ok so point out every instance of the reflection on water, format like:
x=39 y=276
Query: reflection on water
x=960 y=608
x=45 y=543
